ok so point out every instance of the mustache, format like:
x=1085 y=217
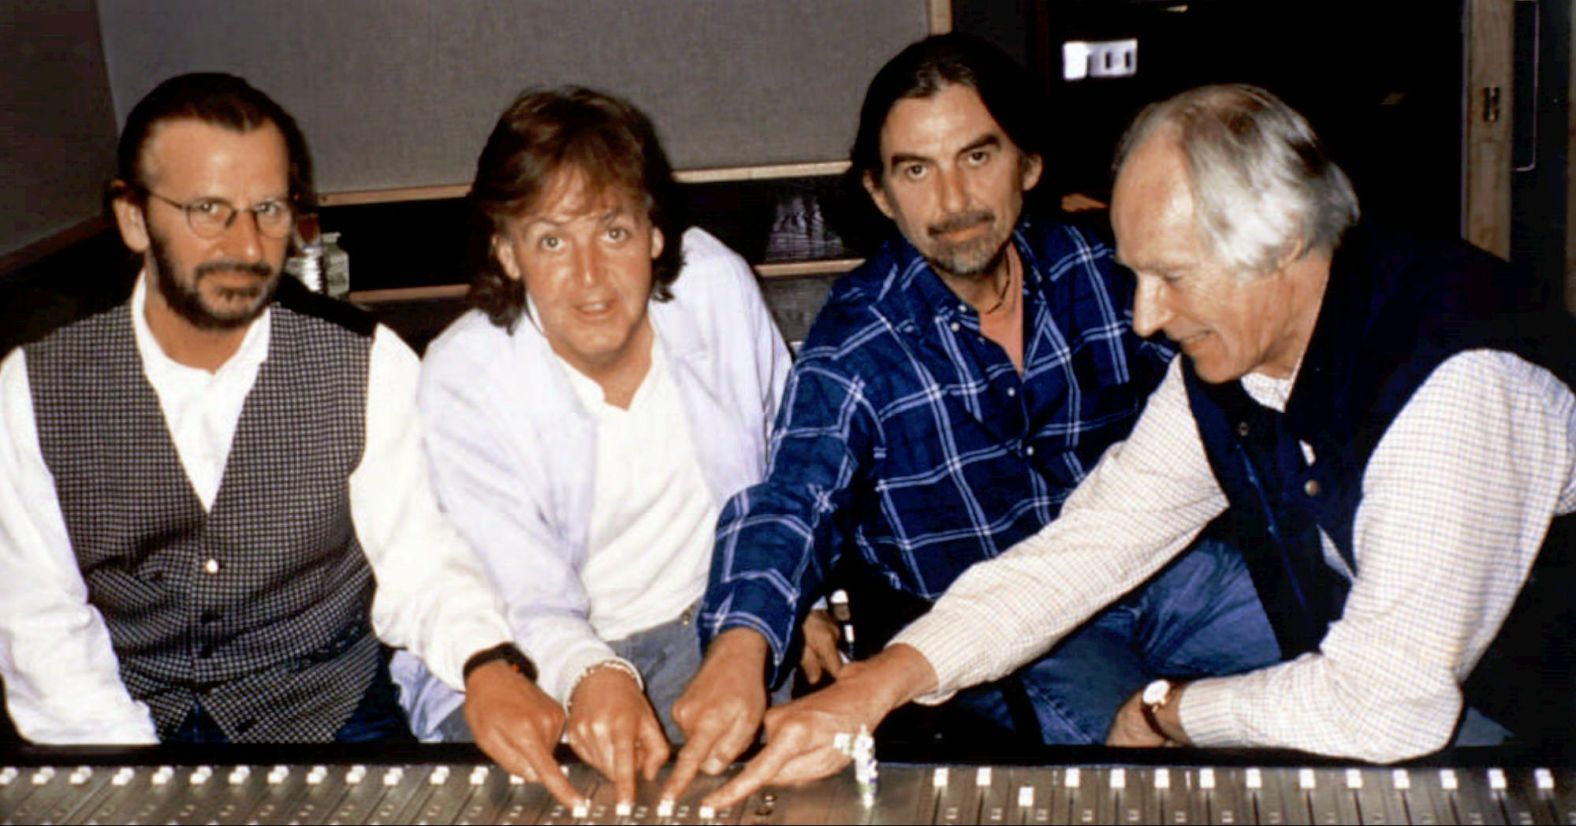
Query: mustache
x=960 y=221
x=257 y=268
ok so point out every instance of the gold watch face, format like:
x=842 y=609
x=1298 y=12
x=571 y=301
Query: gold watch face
x=1155 y=693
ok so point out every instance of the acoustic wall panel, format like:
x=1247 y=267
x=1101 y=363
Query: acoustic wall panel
x=57 y=128
x=399 y=93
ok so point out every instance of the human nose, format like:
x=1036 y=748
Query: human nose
x=954 y=194
x=1150 y=310
x=588 y=263
x=243 y=238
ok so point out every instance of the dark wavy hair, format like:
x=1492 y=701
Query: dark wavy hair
x=923 y=69
x=214 y=98
x=543 y=133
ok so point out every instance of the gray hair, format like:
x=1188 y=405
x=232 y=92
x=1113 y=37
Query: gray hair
x=1260 y=181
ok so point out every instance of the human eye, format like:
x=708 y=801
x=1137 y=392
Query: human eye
x=208 y=207
x=618 y=233
x=912 y=171
x=550 y=242
x=978 y=157
x=271 y=209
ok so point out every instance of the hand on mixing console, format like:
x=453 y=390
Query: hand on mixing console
x=612 y=727
x=518 y=725
x=821 y=655
x=802 y=737
x=720 y=712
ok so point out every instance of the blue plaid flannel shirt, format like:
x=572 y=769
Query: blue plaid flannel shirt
x=907 y=432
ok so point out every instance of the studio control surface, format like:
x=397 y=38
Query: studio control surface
x=98 y=790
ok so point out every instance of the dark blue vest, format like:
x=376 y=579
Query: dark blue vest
x=1393 y=311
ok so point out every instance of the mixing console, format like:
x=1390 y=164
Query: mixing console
x=478 y=793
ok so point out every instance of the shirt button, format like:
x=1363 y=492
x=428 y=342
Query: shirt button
x=963 y=308
x=211 y=566
x=1311 y=487
x=1012 y=391
x=1028 y=451
x=955 y=326
x=1242 y=429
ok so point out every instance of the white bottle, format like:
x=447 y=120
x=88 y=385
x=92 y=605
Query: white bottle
x=336 y=266
x=308 y=267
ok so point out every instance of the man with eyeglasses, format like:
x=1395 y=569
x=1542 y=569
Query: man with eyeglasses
x=202 y=483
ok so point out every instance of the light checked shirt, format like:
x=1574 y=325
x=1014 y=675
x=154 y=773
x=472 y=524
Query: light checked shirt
x=1456 y=499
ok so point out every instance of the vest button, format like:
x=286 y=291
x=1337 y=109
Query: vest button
x=1311 y=487
x=211 y=566
x=1242 y=429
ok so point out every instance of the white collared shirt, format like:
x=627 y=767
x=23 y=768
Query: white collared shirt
x=61 y=673
x=514 y=452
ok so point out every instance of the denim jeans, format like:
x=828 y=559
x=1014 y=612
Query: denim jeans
x=667 y=656
x=1200 y=616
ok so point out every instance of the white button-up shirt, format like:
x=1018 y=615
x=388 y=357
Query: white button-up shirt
x=514 y=452
x=61 y=673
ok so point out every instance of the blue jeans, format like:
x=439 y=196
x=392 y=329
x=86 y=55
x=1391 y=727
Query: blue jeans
x=667 y=656
x=1199 y=617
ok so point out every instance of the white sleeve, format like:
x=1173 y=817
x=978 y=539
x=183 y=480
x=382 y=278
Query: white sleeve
x=1456 y=500
x=432 y=596
x=1143 y=504
x=62 y=678
x=497 y=494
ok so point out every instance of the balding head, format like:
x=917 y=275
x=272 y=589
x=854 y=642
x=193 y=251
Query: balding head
x=1260 y=183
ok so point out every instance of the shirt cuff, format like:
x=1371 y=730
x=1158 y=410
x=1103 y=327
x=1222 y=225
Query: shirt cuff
x=1207 y=712
x=560 y=673
x=761 y=609
x=954 y=656
x=463 y=643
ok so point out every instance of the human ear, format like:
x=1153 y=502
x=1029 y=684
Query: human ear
x=130 y=220
x=504 y=253
x=877 y=193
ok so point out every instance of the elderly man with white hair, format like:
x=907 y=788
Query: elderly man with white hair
x=1392 y=433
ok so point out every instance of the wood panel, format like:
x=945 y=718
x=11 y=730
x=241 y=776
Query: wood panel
x=1488 y=109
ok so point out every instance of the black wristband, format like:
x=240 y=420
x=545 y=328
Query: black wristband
x=507 y=652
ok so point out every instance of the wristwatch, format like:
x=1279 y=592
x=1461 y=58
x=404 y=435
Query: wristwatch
x=508 y=653
x=1154 y=698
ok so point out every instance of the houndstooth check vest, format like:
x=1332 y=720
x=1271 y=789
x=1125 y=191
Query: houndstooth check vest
x=258 y=608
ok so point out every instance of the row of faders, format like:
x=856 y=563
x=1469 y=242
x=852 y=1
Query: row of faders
x=908 y=794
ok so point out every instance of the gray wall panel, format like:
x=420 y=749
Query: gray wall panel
x=395 y=93
x=57 y=129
